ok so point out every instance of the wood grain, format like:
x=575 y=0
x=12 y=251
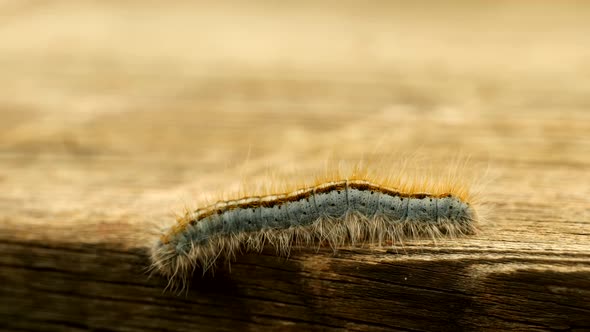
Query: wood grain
x=116 y=115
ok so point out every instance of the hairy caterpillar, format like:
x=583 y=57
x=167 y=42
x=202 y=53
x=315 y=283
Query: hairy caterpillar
x=337 y=210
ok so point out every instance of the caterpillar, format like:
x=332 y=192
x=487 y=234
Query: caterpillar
x=338 y=210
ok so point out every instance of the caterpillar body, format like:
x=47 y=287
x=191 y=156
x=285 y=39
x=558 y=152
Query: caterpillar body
x=351 y=211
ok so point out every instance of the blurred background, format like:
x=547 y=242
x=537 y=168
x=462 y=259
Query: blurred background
x=130 y=106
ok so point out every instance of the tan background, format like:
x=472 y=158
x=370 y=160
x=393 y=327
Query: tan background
x=115 y=115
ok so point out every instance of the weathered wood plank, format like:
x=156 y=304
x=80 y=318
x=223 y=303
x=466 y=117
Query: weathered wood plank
x=96 y=287
x=100 y=142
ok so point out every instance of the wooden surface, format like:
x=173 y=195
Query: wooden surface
x=115 y=115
